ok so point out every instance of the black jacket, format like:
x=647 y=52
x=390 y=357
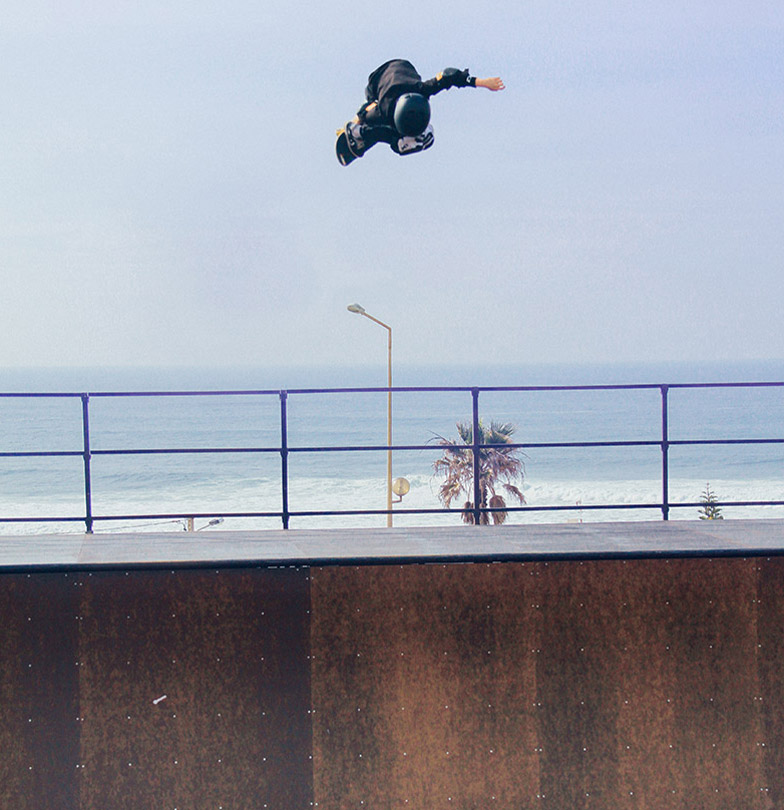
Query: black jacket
x=398 y=76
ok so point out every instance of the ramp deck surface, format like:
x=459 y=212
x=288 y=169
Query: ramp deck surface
x=640 y=540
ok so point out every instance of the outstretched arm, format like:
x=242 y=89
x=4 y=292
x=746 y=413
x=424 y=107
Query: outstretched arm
x=493 y=83
x=452 y=77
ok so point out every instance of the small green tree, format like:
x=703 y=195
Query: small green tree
x=500 y=467
x=709 y=510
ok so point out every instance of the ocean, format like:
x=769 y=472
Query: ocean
x=213 y=485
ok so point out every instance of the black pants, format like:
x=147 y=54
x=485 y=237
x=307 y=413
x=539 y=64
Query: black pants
x=376 y=128
x=380 y=134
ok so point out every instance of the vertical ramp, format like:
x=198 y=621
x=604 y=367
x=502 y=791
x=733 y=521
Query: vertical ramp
x=588 y=685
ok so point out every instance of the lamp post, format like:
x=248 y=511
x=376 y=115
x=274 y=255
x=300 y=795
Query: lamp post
x=357 y=309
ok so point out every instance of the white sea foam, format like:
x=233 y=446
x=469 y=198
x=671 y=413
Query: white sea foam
x=574 y=501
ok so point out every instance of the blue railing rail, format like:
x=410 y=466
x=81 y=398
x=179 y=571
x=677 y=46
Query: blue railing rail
x=285 y=450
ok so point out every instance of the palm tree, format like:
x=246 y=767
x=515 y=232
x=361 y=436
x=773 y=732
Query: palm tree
x=499 y=468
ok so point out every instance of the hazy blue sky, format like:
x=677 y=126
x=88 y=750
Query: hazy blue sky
x=169 y=192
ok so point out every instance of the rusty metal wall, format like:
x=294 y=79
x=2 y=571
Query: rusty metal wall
x=598 y=685
x=639 y=684
x=157 y=689
x=39 y=703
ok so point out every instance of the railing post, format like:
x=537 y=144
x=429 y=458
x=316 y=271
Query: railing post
x=665 y=447
x=284 y=460
x=476 y=436
x=88 y=498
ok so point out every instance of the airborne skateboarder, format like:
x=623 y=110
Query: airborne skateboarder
x=397 y=109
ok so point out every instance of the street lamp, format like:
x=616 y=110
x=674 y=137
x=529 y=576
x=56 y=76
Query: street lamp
x=357 y=309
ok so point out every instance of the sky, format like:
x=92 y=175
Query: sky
x=169 y=192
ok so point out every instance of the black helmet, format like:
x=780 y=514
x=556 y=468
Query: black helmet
x=412 y=114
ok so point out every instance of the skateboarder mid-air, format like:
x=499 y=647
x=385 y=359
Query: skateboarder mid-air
x=397 y=109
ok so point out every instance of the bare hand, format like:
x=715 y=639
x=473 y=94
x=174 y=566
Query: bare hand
x=494 y=83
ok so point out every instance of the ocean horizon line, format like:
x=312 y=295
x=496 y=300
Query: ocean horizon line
x=286 y=376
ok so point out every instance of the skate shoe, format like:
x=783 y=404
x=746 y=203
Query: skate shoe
x=416 y=143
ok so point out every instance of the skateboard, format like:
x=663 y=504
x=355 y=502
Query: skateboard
x=346 y=147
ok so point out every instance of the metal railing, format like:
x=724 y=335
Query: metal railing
x=285 y=451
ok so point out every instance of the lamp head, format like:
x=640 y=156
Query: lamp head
x=356 y=308
x=401 y=487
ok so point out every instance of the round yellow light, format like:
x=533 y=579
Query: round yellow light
x=400 y=487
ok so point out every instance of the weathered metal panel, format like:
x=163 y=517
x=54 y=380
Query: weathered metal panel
x=39 y=744
x=424 y=682
x=649 y=660
x=768 y=700
x=409 y=688
x=195 y=689
x=684 y=676
x=184 y=689
x=596 y=684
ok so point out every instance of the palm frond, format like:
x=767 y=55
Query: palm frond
x=515 y=492
x=497 y=502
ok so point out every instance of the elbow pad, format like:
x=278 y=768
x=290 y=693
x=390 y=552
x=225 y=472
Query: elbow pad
x=452 y=77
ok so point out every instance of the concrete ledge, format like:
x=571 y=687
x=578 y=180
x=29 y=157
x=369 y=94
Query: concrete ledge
x=616 y=540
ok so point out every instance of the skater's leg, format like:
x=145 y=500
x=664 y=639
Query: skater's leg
x=364 y=136
x=382 y=134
